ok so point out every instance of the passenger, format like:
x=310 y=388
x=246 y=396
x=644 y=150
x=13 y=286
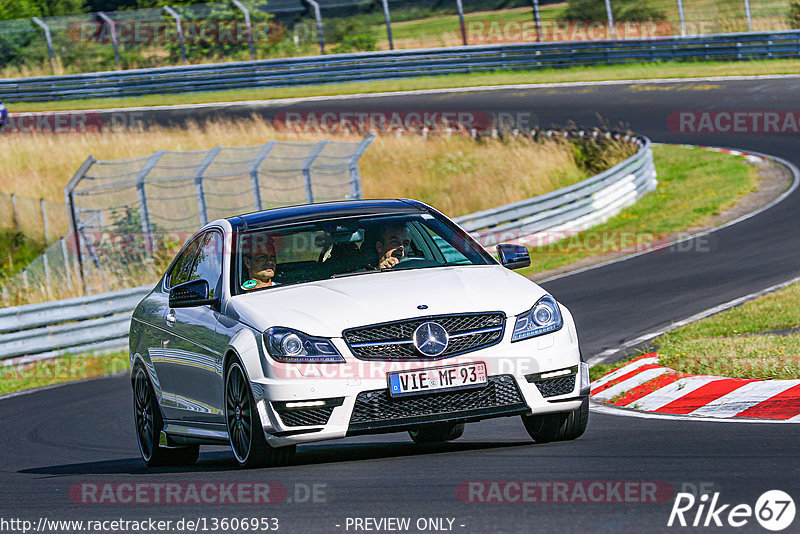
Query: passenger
x=258 y=256
x=3 y=115
x=393 y=246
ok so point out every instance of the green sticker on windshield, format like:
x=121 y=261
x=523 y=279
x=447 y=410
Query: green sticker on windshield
x=249 y=284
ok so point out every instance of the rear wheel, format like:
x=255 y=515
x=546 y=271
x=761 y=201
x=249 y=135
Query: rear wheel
x=149 y=425
x=249 y=446
x=558 y=426
x=437 y=432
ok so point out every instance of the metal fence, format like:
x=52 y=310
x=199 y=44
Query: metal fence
x=399 y=64
x=101 y=321
x=127 y=216
x=260 y=29
x=39 y=219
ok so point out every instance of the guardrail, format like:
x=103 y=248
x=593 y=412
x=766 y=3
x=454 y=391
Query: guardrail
x=569 y=209
x=47 y=329
x=96 y=322
x=398 y=64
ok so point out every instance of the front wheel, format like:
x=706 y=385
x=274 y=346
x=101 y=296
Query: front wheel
x=437 y=432
x=558 y=426
x=149 y=425
x=249 y=446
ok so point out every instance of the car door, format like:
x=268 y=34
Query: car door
x=195 y=367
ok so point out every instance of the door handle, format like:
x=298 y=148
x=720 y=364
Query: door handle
x=171 y=317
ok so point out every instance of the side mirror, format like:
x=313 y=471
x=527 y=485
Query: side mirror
x=188 y=294
x=513 y=256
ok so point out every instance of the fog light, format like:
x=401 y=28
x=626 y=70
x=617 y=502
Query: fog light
x=305 y=404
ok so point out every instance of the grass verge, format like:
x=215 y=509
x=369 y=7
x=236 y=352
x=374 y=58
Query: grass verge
x=693 y=185
x=758 y=339
x=740 y=342
x=448 y=172
x=67 y=368
x=636 y=71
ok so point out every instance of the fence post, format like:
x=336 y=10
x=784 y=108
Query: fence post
x=198 y=182
x=179 y=27
x=44 y=222
x=49 y=40
x=537 y=20
x=610 y=16
x=460 y=7
x=72 y=217
x=246 y=12
x=315 y=152
x=14 y=211
x=683 y=18
x=46 y=264
x=320 y=34
x=355 y=175
x=254 y=173
x=144 y=212
x=66 y=261
x=388 y=23
x=749 y=16
x=113 y=27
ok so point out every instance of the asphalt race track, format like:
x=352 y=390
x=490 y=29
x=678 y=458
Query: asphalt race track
x=57 y=439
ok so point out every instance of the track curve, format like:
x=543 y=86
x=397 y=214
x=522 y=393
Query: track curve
x=83 y=432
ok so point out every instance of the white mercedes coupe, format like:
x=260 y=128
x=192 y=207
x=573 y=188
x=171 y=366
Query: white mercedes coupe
x=339 y=319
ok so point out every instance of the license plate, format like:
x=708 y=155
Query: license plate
x=419 y=381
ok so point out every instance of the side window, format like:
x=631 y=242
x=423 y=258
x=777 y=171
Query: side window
x=183 y=265
x=208 y=264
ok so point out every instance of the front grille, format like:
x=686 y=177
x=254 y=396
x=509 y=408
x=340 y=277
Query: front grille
x=306 y=416
x=552 y=387
x=375 y=407
x=393 y=341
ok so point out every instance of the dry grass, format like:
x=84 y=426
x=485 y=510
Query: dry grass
x=456 y=174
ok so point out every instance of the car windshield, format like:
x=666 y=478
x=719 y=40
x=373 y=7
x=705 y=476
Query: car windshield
x=347 y=247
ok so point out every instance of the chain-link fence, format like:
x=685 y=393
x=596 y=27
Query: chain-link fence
x=260 y=29
x=128 y=217
x=40 y=220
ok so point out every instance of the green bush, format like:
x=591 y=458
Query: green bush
x=794 y=14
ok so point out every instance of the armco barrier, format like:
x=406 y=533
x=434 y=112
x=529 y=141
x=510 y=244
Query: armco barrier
x=398 y=64
x=38 y=331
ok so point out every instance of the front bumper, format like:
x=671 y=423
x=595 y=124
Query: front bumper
x=321 y=402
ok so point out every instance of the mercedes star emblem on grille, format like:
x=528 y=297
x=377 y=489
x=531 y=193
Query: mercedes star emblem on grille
x=431 y=338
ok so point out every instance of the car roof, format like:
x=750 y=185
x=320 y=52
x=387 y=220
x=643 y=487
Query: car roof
x=323 y=211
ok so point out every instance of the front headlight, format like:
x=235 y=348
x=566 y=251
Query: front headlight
x=543 y=318
x=290 y=346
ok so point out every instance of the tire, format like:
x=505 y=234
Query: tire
x=437 y=432
x=248 y=444
x=149 y=424
x=558 y=426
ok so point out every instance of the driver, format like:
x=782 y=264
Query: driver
x=393 y=245
x=260 y=261
x=3 y=115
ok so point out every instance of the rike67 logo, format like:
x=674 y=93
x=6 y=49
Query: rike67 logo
x=774 y=510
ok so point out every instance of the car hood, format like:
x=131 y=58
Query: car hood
x=328 y=307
